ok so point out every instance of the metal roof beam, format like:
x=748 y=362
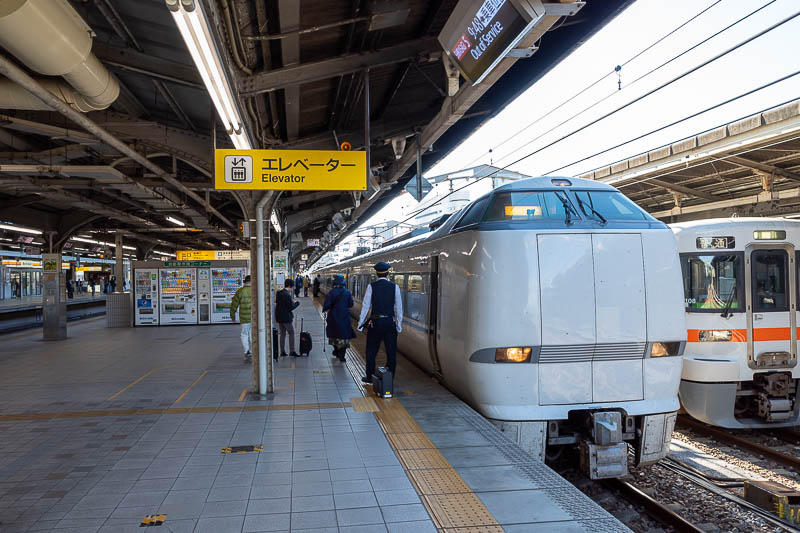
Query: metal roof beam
x=292 y=201
x=20 y=201
x=289 y=17
x=330 y=68
x=131 y=60
x=673 y=187
x=763 y=167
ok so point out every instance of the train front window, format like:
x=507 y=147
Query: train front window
x=770 y=286
x=609 y=205
x=530 y=206
x=710 y=282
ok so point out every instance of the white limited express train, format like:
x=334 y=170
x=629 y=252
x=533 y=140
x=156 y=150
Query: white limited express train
x=552 y=306
x=740 y=290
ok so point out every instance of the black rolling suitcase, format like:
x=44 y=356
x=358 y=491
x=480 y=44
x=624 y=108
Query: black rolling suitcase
x=275 y=348
x=382 y=382
x=305 y=341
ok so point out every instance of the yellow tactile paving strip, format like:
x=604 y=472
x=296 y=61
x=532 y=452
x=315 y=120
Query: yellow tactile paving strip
x=448 y=499
x=170 y=411
x=364 y=405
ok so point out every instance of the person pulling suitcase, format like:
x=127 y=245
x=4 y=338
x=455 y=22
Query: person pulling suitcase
x=382 y=315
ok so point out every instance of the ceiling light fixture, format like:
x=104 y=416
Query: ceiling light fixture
x=176 y=221
x=20 y=229
x=275 y=222
x=224 y=243
x=194 y=28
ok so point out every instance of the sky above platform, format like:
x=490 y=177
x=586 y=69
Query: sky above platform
x=530 y=123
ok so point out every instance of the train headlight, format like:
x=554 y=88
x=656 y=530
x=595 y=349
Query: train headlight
x=512 y=355
x=715 y=335
x=665 y=349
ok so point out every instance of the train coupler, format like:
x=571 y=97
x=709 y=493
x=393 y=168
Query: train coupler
x=607 y=456
x=773 y=400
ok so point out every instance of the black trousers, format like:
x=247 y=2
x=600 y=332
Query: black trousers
x=383 y=329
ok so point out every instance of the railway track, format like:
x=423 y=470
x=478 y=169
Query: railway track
x=743 y=443
x=657 y=510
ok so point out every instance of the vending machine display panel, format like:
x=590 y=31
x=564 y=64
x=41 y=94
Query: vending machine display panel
x=225 y=281
x=145 y=285
x=178 y=295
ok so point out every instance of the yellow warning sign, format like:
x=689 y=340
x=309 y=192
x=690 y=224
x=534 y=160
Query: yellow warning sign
x=290 y=170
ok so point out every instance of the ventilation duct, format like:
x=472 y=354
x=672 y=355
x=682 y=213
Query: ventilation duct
x=49 y=37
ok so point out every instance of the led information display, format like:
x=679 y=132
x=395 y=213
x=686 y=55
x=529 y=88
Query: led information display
x=290 y=170
x=480 y=33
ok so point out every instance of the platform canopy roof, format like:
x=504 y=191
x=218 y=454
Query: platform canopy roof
x=297 y=68
x=748 y=167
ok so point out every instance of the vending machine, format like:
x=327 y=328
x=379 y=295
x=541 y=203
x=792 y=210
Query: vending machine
x=203 y=296
x=178 y=295
x=145 y=293
x=225 y=281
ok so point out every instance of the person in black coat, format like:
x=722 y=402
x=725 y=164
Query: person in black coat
x=339 y=328
x=284 y=305
x=315 y=286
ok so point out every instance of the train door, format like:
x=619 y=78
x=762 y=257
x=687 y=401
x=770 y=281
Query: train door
x=771 y=305
x=434 y=316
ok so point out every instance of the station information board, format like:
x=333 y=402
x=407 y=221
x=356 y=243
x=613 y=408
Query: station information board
x=212 y=255
x=290 y=170
x=479 y=33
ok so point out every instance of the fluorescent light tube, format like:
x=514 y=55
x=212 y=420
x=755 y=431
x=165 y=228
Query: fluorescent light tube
x=20 y=229
x=176 y=221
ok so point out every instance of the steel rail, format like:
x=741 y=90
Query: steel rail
x=729 y=438
x=658 y=510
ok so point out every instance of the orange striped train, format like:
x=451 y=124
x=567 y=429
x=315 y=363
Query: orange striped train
x=740 y=289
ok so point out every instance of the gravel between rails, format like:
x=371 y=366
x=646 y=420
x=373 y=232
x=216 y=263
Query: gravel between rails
x=708 y=511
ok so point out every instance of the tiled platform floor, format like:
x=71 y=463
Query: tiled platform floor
x=35 y=302
x=110 y=425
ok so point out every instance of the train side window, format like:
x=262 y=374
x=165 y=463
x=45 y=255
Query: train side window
x=770 y=280
x=400 y=281
x=474 y=213
x=712 y=282
x=417 y=298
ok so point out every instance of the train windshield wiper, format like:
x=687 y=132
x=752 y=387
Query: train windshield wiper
x=585 y=206
x=726 y=313
x=567 y=209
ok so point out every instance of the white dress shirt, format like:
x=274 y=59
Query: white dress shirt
x=366 y=305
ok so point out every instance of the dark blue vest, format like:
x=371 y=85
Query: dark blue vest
x=383 y=297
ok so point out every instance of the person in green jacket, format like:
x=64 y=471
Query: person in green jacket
x=241 y=301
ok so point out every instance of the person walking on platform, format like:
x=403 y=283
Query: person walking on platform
x=241 y=301
x=284 y=305
x=306 y=284
x=316 y=286
x=298 y=284
x=382 y=315
x=339 y=328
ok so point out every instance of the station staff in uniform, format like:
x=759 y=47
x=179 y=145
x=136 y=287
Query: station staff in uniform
x=382 y=315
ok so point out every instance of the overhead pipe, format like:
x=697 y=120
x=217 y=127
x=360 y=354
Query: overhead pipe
x=49 y=37
x=17 y=75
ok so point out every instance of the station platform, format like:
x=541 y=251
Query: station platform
x=112 y=425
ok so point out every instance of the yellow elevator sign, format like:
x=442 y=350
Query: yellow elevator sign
x=290 y=170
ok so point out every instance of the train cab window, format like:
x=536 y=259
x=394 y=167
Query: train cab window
x=770 y=280
x=473 y=214
x=710 y=282
x=530 y=205
x=609 y=205
x=417 y=298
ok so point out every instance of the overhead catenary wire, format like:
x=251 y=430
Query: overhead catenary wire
x=610 y=113
x=597 y=81
x=684 y=119
x=646 y=74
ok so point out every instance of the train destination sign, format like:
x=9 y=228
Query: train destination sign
x=715 y=243
x=480 y=33
x=290 y=170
